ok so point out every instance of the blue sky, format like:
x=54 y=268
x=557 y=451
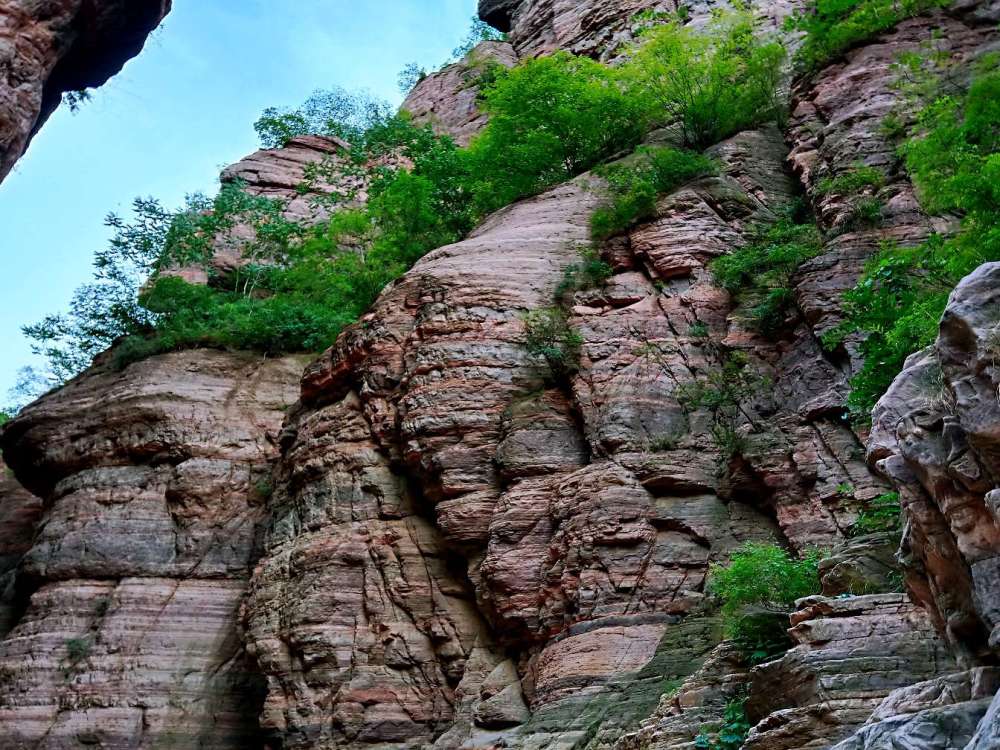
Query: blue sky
x=180 y=112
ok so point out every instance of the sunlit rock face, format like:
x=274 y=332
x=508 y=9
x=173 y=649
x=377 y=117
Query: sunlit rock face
x=49 y=48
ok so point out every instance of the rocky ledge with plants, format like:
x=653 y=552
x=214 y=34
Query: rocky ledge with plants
x=579 y=454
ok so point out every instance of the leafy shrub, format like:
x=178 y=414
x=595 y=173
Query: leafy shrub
x=881 y=514
x=857 y=186
x=549 y=335
x=698 y=330
x=731 y=734
x=758 y=587
x=832 y=27
x=76 y=99
x=897 y=305
x=712 y=84
x=663 y=443
x=479 y=32
x=550 y=119
x=760 y=272
x=411 y=74
x=77 y=653
x=4 y=418
x=852 y=181
x=634 y=187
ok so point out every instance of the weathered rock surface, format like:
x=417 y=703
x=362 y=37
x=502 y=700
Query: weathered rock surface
x=20 y=512
x=447 y=99
x=947 y=712
x=851 y=653
x=934 y=435
x=49 y=48
x=154 y=481
x=445 y=544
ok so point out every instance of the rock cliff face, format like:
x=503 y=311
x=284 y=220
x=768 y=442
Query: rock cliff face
x=49 y=48
x=426 y=540
x=154 y=484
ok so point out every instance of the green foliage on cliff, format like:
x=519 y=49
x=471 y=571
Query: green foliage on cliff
x=711 y=84
x=722 y=392
x=882 y=513
x=759 y=273
x=335 y=112
x=295 y=287
x=730 y=734
x=758 y=588
x=832 y=27
x=550 y=119
x=635 y=186
x=953 y=157
x=479 y=32
x=549 y=336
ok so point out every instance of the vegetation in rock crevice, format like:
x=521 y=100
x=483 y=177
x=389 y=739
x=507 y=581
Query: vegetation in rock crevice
x=730 y=733
x=634 y=187
x=758 y=588
x=759 y=273
x=297 y=286
x=479 y=32
x=722 y=392
x=832 y=27
x=881 y=514
x=953 y=158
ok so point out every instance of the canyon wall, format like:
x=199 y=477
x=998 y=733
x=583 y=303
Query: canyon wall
x=429 y=540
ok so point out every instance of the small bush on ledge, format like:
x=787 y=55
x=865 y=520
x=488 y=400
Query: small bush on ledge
x=759 y=273
x=758 y=588
x=550 y=336
x=635 y=187
x=882 y=514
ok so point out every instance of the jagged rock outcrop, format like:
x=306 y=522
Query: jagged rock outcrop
x=154 y=481
x=954 y=711
x=49 y=48
x=850 y=653
x=934 y=435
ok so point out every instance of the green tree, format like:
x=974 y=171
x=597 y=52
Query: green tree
x=335 y=112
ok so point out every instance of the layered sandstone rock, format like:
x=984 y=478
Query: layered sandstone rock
x=955 y=711
x=49 y=48
x=448 y=99
x=429 y=438
x=850 y=653
x=154 y=481
x=453 y=546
